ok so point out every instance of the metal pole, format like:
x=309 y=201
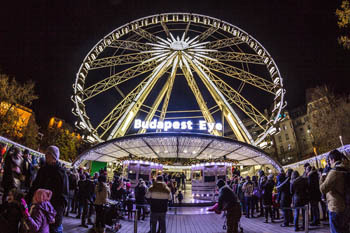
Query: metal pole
x=307 y=218
x=135 y=222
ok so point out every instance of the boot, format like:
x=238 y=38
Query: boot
x=90 y=222
x=83 y=223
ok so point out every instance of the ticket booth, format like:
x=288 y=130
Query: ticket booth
x=137 y=169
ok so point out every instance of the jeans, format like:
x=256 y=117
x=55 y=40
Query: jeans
x=288 y=217
x=296 y=218
x=249 y=206
x=315 y=213
x=139 y=208
x=337 y=223
x=268 y=210
x=158 y=217
x=100 y=218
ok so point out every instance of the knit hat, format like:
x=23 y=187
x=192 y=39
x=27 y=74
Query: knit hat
x=54 y=151
x=220 y=183
x=42 y=195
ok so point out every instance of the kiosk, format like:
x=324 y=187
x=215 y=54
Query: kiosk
x=138 y=169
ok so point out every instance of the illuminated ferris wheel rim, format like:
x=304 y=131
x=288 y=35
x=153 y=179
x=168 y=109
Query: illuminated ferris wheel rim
x=176 y=44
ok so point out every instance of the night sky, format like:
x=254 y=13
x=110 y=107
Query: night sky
x=46 y=41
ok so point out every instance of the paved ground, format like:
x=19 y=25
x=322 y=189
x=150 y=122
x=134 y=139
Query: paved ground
x=199 y=221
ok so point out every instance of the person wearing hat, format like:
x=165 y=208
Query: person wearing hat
x=228 y=202
x=53 y=177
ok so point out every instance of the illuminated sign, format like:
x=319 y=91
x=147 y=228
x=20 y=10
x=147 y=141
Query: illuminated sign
x=183 y=125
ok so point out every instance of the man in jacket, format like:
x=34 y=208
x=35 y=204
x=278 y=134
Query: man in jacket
x=140 y=200
x=158 y=195
x=27 y=170
x=54 y=178
x=333 y=186
x=228 y=202
x=248 y=188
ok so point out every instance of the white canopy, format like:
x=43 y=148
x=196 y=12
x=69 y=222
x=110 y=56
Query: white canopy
x=177 y=145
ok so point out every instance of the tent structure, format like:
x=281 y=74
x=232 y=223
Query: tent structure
x=177 y=145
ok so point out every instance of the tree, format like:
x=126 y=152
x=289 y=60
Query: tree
x=30 y=134
x=68 y=143
x=329 y=115
x=343 y=15
x=12 y=95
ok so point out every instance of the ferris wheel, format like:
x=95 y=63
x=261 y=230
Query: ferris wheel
x=134 y=70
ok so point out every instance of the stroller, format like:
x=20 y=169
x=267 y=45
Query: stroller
x=112 y=215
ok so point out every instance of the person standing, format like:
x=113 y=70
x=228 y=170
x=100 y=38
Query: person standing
x=102 y=193
x=52 y=176
x=183 y=181
x=267 y=188
x=333 y=185
x=286 y=198
x=228 y=201
x=27 y=170
x=315 y=194
x=261 y=177
x=158 y=195
x=248 y=188
x=140 y=199
x=12 y=171
x=299 y=191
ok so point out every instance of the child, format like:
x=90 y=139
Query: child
x=41 y=214
x=10 y=213
x=275 y=204
x=180 y=197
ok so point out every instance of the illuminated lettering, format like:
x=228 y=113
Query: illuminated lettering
x=202 y=125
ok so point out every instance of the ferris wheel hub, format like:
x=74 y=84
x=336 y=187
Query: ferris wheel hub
x=179 y=45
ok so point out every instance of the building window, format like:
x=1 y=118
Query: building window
x=281 y=149
x=289 y=147
x=301 y=129
x=280 y=138
x=291 y=125
x=287 y=137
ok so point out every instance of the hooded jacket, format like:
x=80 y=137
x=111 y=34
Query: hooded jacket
x=41 y=216
x=285 y=194
x=333 y=187
x=314 y=186
x=158 y=195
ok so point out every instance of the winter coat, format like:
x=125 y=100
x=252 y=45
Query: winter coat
x=285 y=194
x=10 y=216
x=333 y=187
x=300 y=191
x=267 y=188
x=55 y=179
x=314 y=186
x=248 y=188
x=11 y=172
x=158 y=196
x=86 y=190
x=240 y=192
x=140 y=193
x=227 y=199
x=101 y=196
x=41 y=216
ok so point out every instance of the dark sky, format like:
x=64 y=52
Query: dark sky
x=46 y=41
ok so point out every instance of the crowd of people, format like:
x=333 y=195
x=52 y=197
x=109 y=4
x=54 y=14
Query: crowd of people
x=325 y=191
x=36 y=196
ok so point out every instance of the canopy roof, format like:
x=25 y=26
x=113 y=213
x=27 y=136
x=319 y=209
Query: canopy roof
x=177 y=145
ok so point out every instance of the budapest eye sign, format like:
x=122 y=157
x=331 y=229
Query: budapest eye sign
x=174 y=125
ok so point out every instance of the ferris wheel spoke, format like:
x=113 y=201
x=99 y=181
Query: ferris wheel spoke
x=236 y=57
x=235 y=97
x=168 y=94
x=121 y=126
x=200 y=100
x=241 y=75
x=204 y=35
x=235 y=123
x=119 y=60
x=223 y=43
x=164 y=92
x=145 y=34
x=119 y=109
x=117 y=79
x=165 y=29
x=130 y=45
